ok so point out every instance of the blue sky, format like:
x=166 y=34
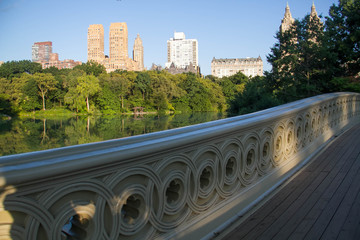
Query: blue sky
x=223 y=28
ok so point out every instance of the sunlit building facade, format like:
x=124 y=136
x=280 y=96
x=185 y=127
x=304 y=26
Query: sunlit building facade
x=181 y=51
x=251 y=67
x=138 y=52
x=118 y=42
x=96 y=43
x=118 y=48
x=287 y=21
x=315 y=20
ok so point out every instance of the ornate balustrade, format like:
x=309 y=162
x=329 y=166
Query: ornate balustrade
x=176 y=184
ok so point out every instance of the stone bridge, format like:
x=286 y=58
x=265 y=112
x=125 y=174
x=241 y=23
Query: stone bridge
x=184 y=183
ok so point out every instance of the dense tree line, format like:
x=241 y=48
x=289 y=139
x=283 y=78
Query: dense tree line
x=25 y=87
x=309 y=59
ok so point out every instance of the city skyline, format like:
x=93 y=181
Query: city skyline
x=226 y=29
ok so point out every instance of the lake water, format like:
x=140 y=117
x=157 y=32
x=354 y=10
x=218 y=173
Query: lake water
x=27 y=135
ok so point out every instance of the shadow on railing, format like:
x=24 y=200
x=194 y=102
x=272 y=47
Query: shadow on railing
x=182 y=183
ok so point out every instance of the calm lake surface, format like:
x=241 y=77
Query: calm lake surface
x=32 y=134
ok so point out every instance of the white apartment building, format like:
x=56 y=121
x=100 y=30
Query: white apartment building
x=182 y=52
x=251 y=67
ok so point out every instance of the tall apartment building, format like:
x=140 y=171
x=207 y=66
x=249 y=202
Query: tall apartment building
x=118 y=48
x=287 y=21
x=313 y=13
x=118 y=41
x=41 y=51
x=182 y=52
x=227 y=67
x=138 y=52
x=96 y=43
x=314 y=18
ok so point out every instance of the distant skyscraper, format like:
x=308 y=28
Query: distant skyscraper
x=96 y=43
x=118 y=44
x=313 y=13
x=138 y=52
x=118 y=47
x=182 y=52
x=287 y=20
x=41 y=51
x=317 y=25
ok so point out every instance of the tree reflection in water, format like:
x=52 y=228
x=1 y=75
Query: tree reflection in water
x=27 y=135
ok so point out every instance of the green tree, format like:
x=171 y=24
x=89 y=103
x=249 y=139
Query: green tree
x=45 y=83
x=142 y=82
x=306 y=59
x=239 y=78
x=106 y=99
x=232 y=85
x=215 y=94
x=71 y=97
x=16 y=68
x=13 y=89
x=314 y=67
x=228 y=88
x=120 y=85
x=58 y=95
x=343 y=32
x=163 y=90
x=301 y=62
x=74 y=100
x=283 y=58
x=31 y=100
x=88 y=85
x=255 y=97
x=6 y=106
x=198 y=96
x=91 y=68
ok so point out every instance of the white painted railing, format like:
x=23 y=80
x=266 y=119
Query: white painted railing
x=185 y=183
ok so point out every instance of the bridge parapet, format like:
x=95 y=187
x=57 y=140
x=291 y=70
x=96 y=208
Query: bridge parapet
x=175 y=184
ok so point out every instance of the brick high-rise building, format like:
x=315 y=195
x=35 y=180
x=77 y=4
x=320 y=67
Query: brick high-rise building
x=138 y=52
x=96 y=43
x=41 y=51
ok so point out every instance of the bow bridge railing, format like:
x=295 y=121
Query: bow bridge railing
x=183 y=183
